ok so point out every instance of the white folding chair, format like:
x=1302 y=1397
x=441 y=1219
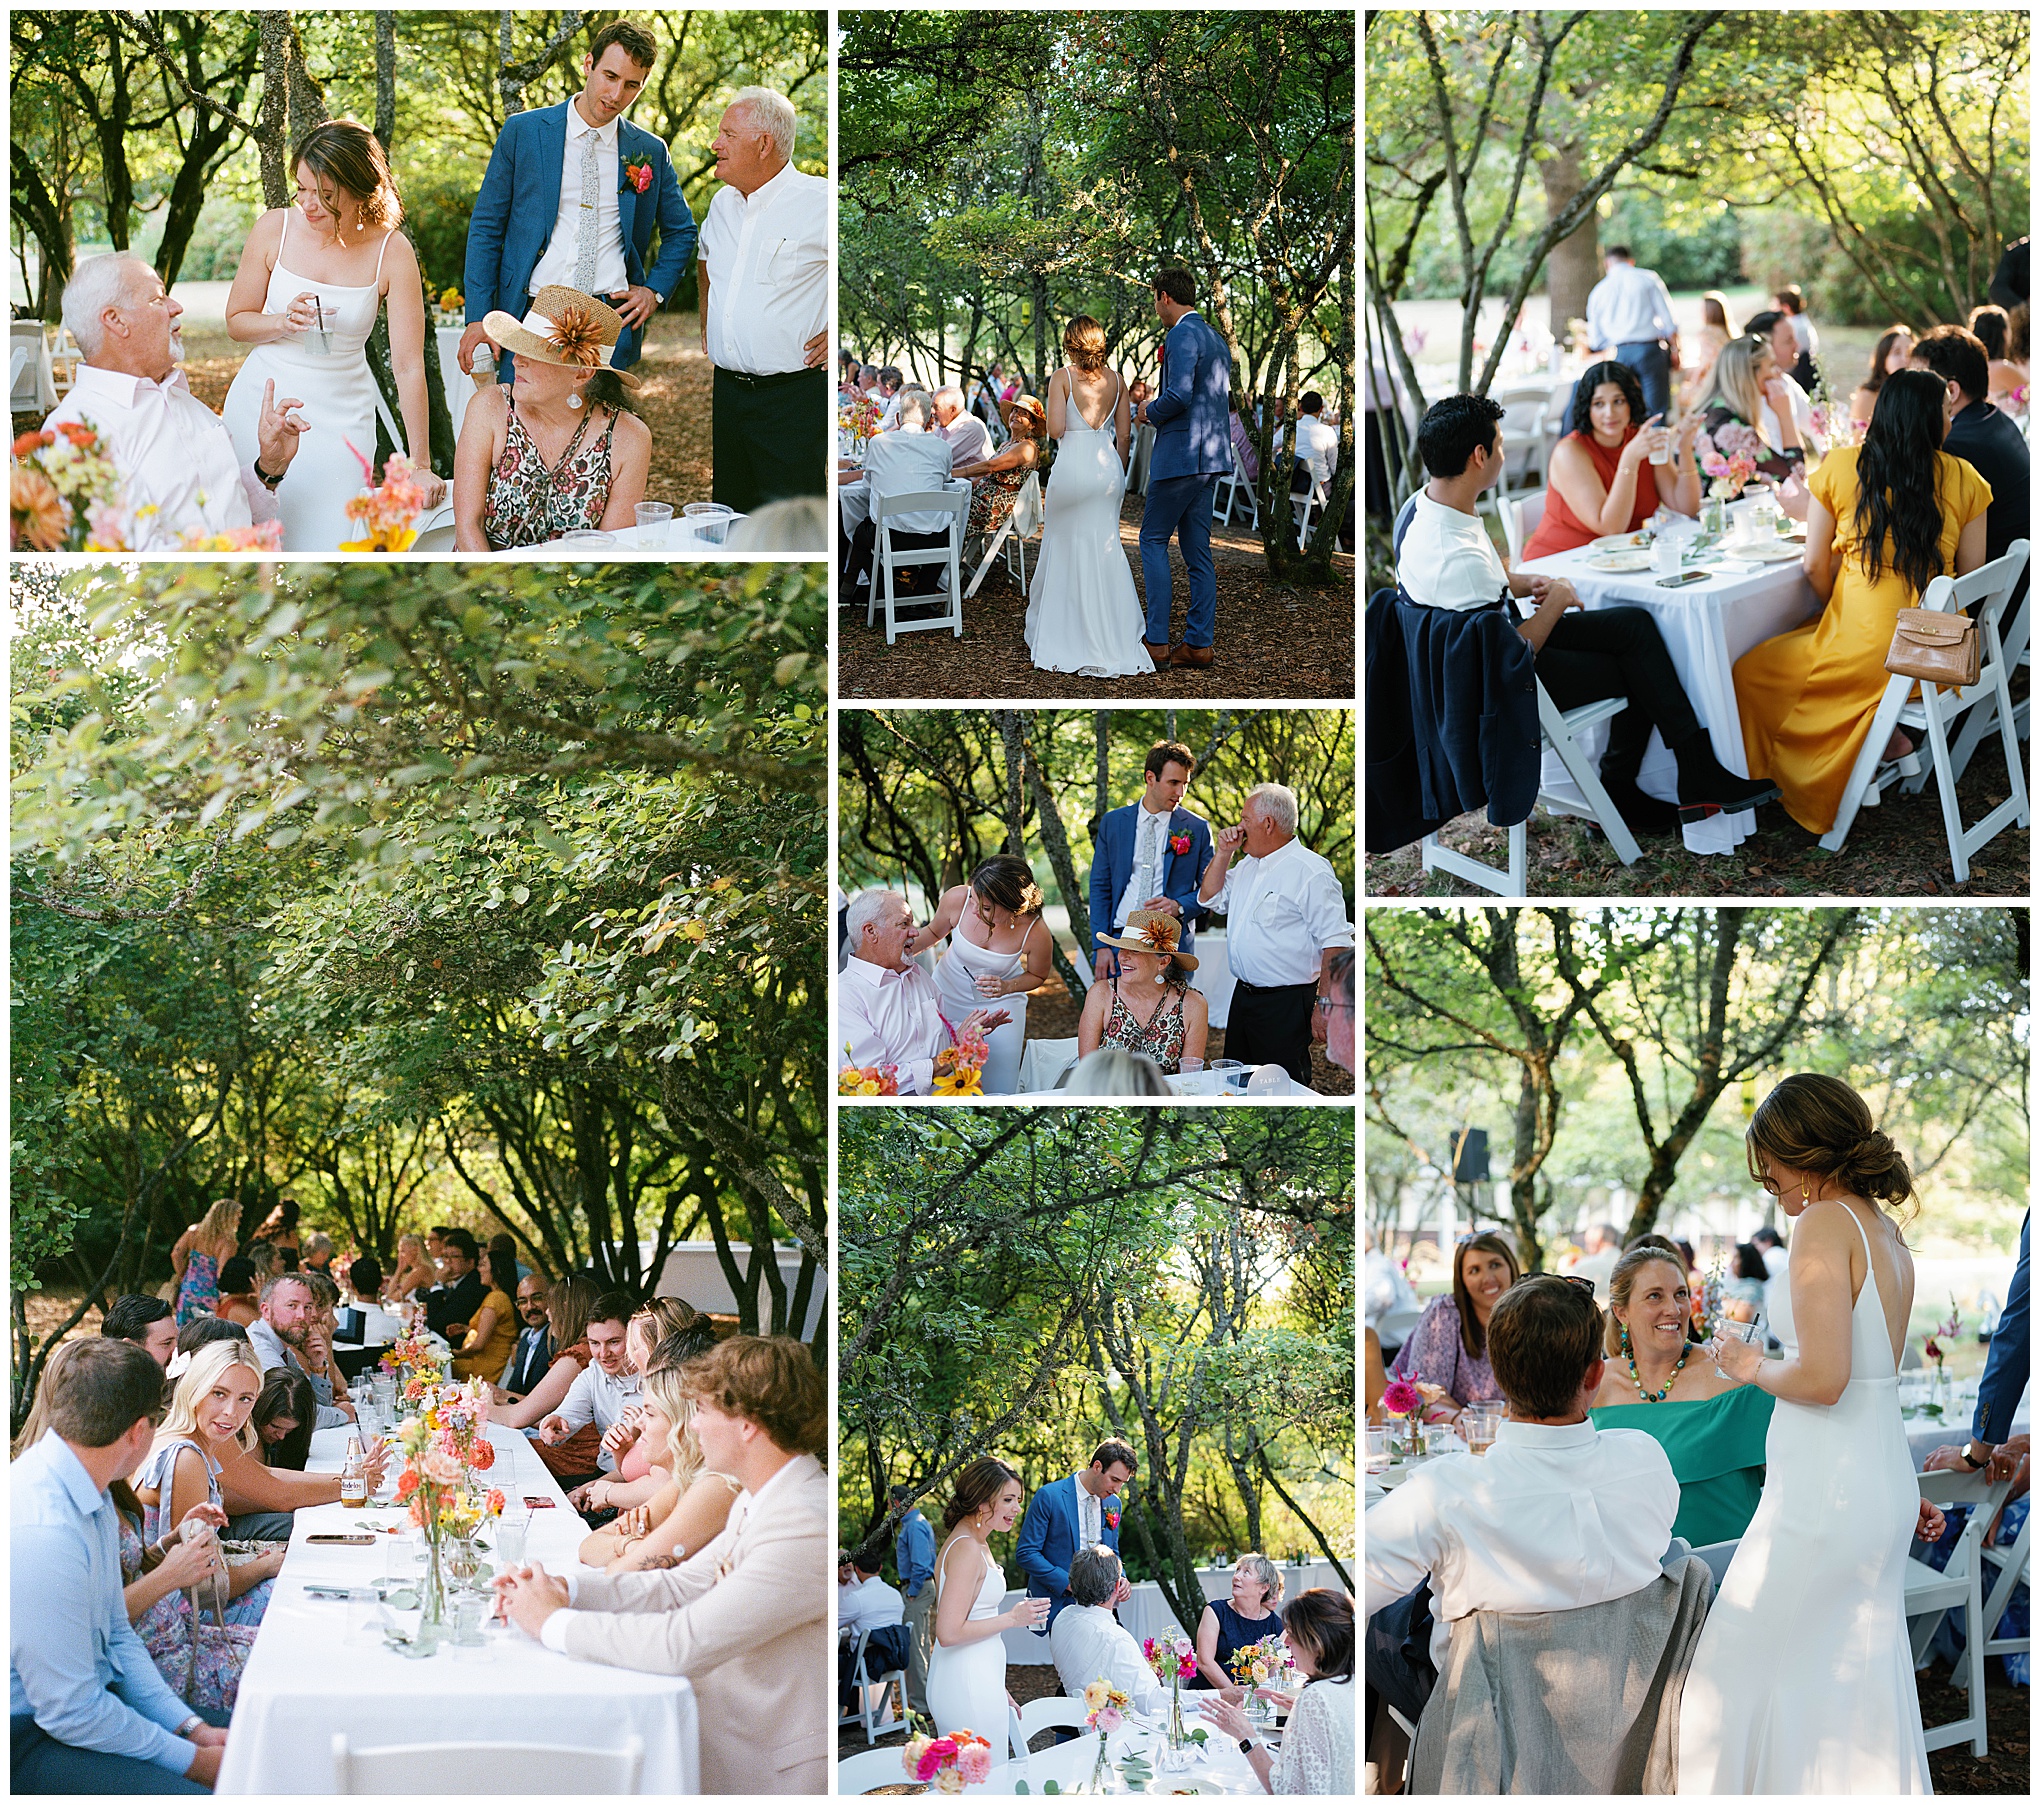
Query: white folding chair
x=435 y=529
x=468 y=1769
x=1523 y=416
x=1561 y=735
x=1016 y=1737
x=873 y=1708
x=1522 y=515
x=1052 y=1713
x=18 y=358
x=885 y=509
x=1984 y=717
x=1042 y=1062
x=1230 y=489
x=1983 y=593
x=868 y=1771
x=31 y=383
x=1303 y=507
x=1929 y=1596
x=2004 y=1568
x=1020 y=524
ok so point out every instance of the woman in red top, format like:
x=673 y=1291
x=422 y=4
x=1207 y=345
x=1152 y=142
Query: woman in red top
x=1598 y=483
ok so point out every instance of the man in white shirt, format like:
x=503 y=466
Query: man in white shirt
x=909 y=460
x=174 y=455
x=1087 y=1642
x=1629 y=318
x=1556 y=1516
x=1445 y=559
x=892 y=380
x=1317 y=443
x=764 y=275
x=886 y=1010
x=1777 y=1287
x=863 y=1600
x=746 y=1618
x=1600 y=1248
x=606 y=1387
x=970 y=440
x=1285 y=912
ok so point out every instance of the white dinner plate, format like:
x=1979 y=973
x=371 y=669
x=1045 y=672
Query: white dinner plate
x=1620 y=542
x=1620 y=561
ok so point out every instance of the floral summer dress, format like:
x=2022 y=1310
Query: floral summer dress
x=992 y=497
x=154 y=1475
x=528 y=504
x=165 y=1630
x=199 y=1290
x=1161 y=1040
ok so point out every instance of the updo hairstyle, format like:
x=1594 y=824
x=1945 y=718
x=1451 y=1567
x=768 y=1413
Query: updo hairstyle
x=1084 y=344
x=1817 y=1124
x=976 y=1486
x=351 y=158
x=1008 y=883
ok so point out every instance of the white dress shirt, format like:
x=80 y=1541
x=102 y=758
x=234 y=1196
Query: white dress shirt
x=767 y=258
x=970 y=441
x=869 y=1605
x=174 y=456
x=1551 y=1518
x=1628 y=306
x=562 y=251
x=1319 y=443
x=908 y=461
x=1150 y=861
x=1448 y=560
x=1802 y=414
x=1086 y=1642
x=1281 y=912
x=886 y=1015
x=600 y=1398
x=1778 y=1298
x=1090 y=1513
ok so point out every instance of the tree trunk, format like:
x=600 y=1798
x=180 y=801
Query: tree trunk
x=1102 y=727
x=1574 y=264
x=1008 y=722
x=385 y=78
x=273 y=122
x=1075 y=895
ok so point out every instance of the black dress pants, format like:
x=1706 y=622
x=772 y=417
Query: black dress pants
x=863 y=548
x=771 y=436
x=1271 y=1026
x=1601 y=652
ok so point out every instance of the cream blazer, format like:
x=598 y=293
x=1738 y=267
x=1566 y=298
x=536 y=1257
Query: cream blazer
x=747 y=1620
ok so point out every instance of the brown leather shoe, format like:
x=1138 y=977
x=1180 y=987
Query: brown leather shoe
x=1159 y=653
x=1196 y=657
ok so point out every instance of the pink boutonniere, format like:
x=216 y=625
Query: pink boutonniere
x=1112 y=1516
x=637 y=174
x=1179 y=843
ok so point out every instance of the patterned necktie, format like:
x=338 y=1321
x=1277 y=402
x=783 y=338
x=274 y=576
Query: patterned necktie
x=591 y=211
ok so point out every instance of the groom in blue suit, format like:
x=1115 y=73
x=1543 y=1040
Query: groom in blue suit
x=1192 y=418
x=1072 y=1513
x=1151 y=854
x=573 y=195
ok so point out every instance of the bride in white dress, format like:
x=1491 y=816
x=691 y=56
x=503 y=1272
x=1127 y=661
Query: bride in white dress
x=998 y=948
x=967 y=1664
x=313 y=276
x=1084 y=613
x=1803 y=1679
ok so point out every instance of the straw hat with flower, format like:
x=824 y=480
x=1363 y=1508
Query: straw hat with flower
x=1152 y=931
x=564 y=327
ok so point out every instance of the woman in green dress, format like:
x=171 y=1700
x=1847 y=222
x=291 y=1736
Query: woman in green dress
x=1711 y=1428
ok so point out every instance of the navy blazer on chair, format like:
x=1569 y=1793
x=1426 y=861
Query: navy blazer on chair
x=1192 y=413
x=513 y=217
x=1048 y=1540
x=1182 y=872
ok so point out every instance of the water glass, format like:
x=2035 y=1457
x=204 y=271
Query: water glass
x=1439 y=1439
x=654 y=518
x=317 y=339
x=1377 y=1449
x=510 y=1541
x=1480 y=1427
x=1664 y=555
x=366 y=1620
x=1231 y=1073
x=586 y=539
x=469 y=1610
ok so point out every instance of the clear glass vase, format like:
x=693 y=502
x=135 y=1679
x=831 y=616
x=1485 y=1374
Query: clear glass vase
x=1713 y=516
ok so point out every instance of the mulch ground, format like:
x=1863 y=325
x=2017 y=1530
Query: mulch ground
x=674 y=399
x=1052 y=1015
x=2008 y=1767
x=1899 y=848
x=1274 y=641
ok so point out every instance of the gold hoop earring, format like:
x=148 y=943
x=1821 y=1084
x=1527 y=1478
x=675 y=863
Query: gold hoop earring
x=1805 y=1192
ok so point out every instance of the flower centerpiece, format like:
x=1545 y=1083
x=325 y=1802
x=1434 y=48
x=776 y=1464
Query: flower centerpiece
x=1938 y=1354
x=1174 y=1659
x=263 y=536
x=1256 y=1665
x=1104 y=1711
x=387 y=515
x=415 y=1362
x=881 y=1080
x=1403 y=1399
x=450 y=308
x=858 y=419
x=64 y=494
x=959 y=1070
x=948 y=1763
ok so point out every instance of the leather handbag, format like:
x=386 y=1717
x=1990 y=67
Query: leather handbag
x=1943 y=649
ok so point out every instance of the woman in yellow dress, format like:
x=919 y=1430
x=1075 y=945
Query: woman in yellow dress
x=1884 y=518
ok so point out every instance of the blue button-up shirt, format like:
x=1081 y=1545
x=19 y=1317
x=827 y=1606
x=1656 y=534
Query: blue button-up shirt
x=914 y=1553
x=77 y=1666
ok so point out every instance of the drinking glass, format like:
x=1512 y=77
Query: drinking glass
x=586 y=539
x=1480 y=1427
x=1664 y=556
x=318 y=340
x=1377 y=1449
x=469 y=1609
x=510 y=1541
x=1661 y=445
x=1438 y=1439
x=366 y=1620
x=654 y=518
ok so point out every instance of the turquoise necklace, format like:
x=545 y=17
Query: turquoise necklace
x=1653 y=1397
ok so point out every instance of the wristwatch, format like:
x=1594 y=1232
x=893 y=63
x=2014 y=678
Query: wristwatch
x=193 y=1722
x=1247 y=1744
x=1976 y=1466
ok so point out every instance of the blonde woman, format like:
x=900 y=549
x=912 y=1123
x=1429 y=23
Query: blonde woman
x=1744 y=387
x=208 y=1418
x=200 y=1252
x=664 y=1331
x=690 y=1507
x=999 y=947
x=414 y=1270
x=1251 y=1614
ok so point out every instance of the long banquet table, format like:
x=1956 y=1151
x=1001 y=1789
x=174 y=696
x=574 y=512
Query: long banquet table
x=1706 y=627
x=306 y=1680
x=1147 y=1612
x=1219 y=1766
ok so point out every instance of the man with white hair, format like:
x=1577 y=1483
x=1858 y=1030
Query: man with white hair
x=886 y=1010
x=970 y=441
x=1086 y=1642
x=764 y=276
x=1285 y=914
x=908 y=460
x=174 y=455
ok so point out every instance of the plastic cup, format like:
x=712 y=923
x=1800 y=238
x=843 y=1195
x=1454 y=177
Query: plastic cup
x=654 y=519
x=1664 y=556
x=1377 y=1449
x=586 y=539
x=1661 y=446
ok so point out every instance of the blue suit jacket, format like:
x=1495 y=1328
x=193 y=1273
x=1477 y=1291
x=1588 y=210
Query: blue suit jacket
x=513 y=217
x=1048 y=1541
x=1112 y=865
x=1192 y=414
x=2005 y=1371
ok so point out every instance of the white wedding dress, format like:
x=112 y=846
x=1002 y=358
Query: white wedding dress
x=1803 y=1680
x=336 y=392
x=1083 y=612
x=967 y=1684
x=963 y=962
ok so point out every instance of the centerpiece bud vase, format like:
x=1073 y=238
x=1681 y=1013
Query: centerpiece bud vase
x=1179 y=1737
x=1713 y=515
x=432 y=1598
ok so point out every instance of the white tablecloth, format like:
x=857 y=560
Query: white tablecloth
x=304 y=1681
x=460 y=389
x=1706 y=628
x=1147 y=1612
x=683 y=540
x=1923 y=1434
x=1220 y=1767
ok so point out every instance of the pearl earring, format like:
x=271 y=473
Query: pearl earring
x=574 y=400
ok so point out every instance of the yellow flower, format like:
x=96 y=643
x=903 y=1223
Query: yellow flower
x=1096 y=1694
x=963 y=1082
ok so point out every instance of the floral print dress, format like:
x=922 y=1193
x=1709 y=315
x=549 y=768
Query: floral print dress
x=199 y=1290
x=992 y=497
x=528 y=504
x=154 y=1474
x=1161 y=1040
x=1724 y=432
x=165 y=1630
